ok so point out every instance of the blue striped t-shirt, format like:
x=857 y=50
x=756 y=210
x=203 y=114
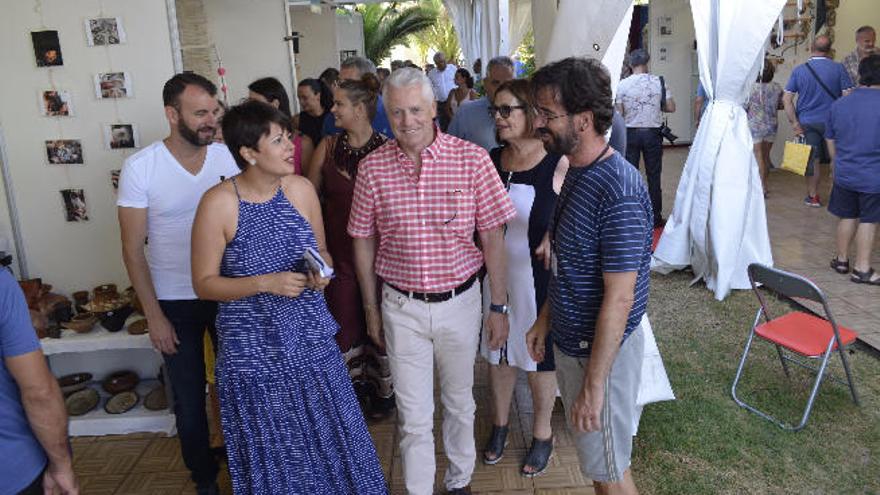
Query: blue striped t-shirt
x=605 y=225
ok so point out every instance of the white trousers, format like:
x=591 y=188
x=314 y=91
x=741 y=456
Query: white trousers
x=416 y=335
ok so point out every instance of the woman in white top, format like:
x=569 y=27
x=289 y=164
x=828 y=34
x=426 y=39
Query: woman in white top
x=463 y=91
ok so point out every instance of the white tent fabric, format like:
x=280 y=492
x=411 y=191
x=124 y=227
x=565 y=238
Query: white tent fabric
x=718 y=225
x=589 y=29
x=520 y=22
x=482 y=27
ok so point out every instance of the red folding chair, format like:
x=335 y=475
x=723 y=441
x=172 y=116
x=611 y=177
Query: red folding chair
x=797 y=332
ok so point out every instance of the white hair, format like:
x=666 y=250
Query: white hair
x=406 y=77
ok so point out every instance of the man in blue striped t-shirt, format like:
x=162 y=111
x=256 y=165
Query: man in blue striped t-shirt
x=600 y=253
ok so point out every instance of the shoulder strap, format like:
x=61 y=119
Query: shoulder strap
x=662 y=94
x=235 y=186
x=816 y=76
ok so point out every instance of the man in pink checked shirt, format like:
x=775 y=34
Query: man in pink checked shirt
x=422 y=196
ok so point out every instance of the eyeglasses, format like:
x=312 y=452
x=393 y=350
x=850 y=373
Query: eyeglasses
x=504 y=110
x=548 y=115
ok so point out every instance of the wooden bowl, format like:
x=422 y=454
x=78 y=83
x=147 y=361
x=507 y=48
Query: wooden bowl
x=74 y=383
x=156 y=400
x=81 y=402
x=121 y=402
x=81 y=323
x=121 y=381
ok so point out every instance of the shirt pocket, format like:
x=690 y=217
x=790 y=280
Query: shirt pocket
x=454 y=211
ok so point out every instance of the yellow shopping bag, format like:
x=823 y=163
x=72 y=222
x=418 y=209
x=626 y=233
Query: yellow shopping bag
x=796 y=156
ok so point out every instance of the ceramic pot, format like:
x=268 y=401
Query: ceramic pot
x=81 y=323
x=121 y=381
x=81 y=402
x=74 y=383
x=114 y=320
x=121 y=402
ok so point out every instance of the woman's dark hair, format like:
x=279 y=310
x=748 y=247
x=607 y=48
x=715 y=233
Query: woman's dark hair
x=317 y=87
x=365 y=90
x=521 y=90
x=581 y=85
x=869 y=70
x=329 y=76
x=272 y=90
x=767 y=72
x=468 y=79
x=178 y=83
x=245 y=124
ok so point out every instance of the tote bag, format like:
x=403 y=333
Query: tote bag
x=796 y=156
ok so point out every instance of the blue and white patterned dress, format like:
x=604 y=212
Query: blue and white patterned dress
x=290 y=417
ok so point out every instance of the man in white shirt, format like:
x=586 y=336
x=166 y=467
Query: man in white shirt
x=638 y=99
x=159 y=190
x=442 y=78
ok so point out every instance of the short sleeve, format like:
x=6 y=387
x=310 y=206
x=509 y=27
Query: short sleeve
x=362 y=219
x=133 y=186
x=17 y=335
x=793 y=84
x=494 y=207
x=623 y=234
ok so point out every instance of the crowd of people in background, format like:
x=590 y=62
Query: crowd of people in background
x=461 y=214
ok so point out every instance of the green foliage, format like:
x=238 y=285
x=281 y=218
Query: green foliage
x=386 y=26
x=441 y=36
x=526 y=53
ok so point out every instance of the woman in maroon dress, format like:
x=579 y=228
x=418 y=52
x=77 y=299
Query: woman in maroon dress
x=333 y=170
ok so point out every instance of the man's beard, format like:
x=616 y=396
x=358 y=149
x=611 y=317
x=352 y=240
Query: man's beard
x=192 y=136
x=562 y=144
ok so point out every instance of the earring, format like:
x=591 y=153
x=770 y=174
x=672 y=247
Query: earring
x=252 y=161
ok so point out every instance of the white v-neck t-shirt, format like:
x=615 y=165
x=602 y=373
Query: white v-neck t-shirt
x=153 y=179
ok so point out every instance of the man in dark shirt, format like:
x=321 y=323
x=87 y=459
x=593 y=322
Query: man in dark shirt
x=600 y=240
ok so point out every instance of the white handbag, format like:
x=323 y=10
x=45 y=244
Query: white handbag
x=654 y=385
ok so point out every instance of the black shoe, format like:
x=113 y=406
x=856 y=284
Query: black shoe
x=465 y=490
x=382 y=407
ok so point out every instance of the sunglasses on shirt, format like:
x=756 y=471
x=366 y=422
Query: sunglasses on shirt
x=504 y=110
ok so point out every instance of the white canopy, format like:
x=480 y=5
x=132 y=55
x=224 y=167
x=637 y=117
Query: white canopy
x=719 y=224
x=482 y=27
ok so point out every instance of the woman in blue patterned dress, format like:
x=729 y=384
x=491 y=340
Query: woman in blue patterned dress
x=290 y=418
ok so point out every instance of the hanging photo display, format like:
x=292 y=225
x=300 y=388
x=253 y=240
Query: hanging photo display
x=104 y=31
x=55 y=103
x=113 y=85
x=121 y=136
x=74 y=205
x=47 y=48
x=114 y=178
x=64 y=151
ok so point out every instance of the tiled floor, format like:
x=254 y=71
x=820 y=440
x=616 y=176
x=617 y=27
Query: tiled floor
x=802 y=239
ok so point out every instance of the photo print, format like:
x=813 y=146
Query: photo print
x=113 y=85
x=121 y=136
x=104 y=31
x=54 y=103
x=47 y=48
x=74 y=205
x=64 y=151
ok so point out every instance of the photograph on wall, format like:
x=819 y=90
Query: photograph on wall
x=121 y=136
x=74 y=205
x=47 y=48
x=55 y=103
x=64 y=152
x=104 y=31
x=114 y=178
x=113 y=85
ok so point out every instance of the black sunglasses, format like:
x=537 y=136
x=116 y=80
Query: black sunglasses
x=504 y=110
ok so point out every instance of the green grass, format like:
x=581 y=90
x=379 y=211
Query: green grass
x=704 y=443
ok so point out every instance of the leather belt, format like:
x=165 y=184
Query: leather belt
x=433 y=297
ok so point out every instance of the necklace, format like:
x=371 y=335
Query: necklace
x=346 y=157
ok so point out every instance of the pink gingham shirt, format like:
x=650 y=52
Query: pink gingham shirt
x=425 y=224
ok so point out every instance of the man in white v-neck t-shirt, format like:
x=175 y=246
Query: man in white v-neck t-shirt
x=159 y=191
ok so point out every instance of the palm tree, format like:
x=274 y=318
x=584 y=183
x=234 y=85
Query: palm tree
x=441 y=36
x=386 y=27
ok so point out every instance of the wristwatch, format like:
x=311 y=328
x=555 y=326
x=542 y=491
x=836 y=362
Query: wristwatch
x=499 y=308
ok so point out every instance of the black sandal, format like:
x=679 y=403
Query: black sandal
x=864 y=277
x=841 y=267
x=495 y=445
x=538 y=457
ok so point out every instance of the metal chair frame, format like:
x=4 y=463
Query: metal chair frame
x=790 y=285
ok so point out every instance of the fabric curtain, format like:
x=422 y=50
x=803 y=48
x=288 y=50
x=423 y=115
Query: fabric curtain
x=718 y=224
